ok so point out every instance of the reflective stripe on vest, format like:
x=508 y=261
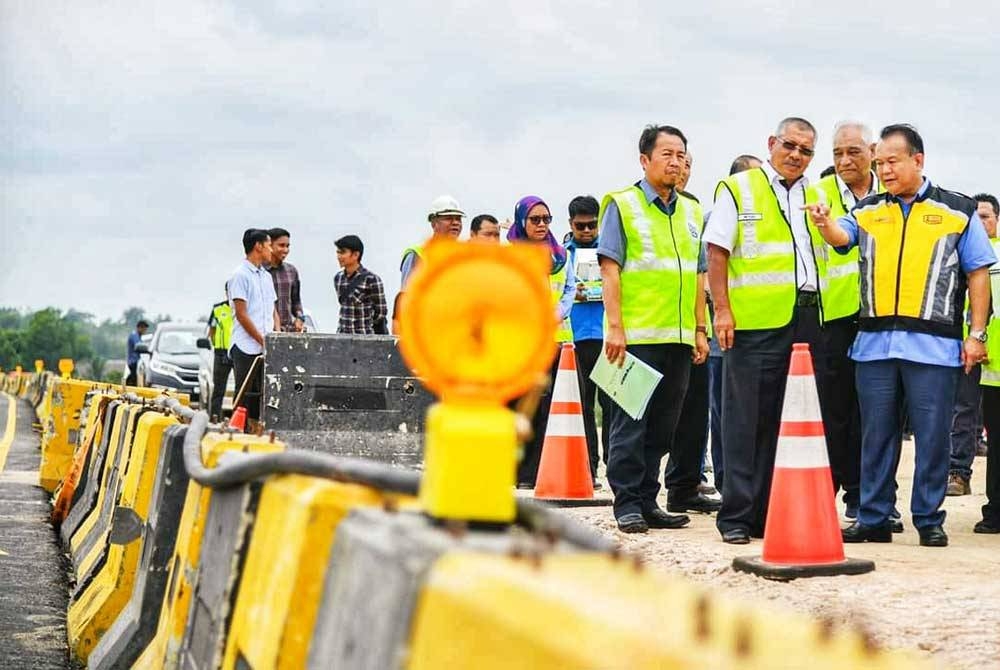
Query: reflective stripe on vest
x=659 y=276
x=911 y=278
x=557 y=284
x=991 y=368
x=223 y=315
x=762 y=278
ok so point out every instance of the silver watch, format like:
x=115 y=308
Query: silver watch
x=978 y=335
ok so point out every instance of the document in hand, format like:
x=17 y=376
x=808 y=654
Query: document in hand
x=631 y=385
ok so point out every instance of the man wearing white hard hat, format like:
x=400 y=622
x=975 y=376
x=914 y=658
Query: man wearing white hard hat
x=445 y=216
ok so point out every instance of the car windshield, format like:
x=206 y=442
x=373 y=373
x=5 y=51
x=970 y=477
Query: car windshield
x=178 y=342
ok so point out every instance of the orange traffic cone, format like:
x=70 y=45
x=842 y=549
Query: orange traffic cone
x=564 y=470
x=238 y=421
x=802 y=534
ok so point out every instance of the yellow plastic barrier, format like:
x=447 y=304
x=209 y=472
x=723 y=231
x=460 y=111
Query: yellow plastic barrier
x=104 y=597
x=283 y=576
x=163 y=651
x=59 y=439
x=579 y=611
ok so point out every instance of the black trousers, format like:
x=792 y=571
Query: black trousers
x=587 y=353
x=527 y=469
x=242 y=362
x=131 y=379
x=683 y=471
x=838 y=399
x=755 y=372
x=638 y=446
x=221 y=368
x=991 y=419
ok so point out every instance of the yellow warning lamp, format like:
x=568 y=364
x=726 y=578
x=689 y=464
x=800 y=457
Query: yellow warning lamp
x=66 y=367
x=477 y=326
x=39 y=365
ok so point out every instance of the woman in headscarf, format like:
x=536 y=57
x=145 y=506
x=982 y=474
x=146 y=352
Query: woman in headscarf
x=532 y=223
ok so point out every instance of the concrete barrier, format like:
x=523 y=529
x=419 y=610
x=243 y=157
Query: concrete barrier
x=60 y=436
x=344 y=394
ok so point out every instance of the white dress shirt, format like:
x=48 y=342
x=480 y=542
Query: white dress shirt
x=847 y=195
x=722 y=224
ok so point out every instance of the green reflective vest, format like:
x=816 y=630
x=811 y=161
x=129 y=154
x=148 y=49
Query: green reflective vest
x=991 y=368
x=761 y=265
x=557 y=283
x=660 y=271
x=838 y=273
x=418 y=249
x=222 y=319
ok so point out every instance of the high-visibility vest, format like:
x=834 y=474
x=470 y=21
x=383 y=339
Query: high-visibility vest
x=991 y=368
x=660 y=270
x=557 y=283
x=762 y=284
x=417 y=249
x=911 y=278
x=222 y=314
x=838 y=273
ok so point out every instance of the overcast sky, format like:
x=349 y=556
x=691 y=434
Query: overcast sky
x=138 y=139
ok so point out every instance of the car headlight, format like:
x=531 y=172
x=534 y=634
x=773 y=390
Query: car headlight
x=163 y=368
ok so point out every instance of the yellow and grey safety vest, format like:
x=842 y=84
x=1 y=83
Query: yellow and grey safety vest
x=838 y=273
x=911 y=278
x=660 y=270
x=991 y=368
x=557 y=284
x=417 y=249
x=762 y=282
x=222 y=317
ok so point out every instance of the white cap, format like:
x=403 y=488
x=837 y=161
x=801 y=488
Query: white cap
x=444 y=204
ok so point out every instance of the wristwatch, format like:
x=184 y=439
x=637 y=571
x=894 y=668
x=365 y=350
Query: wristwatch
x=978 y=335
x=701 y=329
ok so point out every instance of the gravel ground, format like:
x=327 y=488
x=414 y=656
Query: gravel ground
x=943 y=601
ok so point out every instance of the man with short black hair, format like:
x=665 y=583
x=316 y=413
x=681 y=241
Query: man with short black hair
x=920 y=246
x=254 y=302
x=287 y=285
x=134 y=338
x=587 y=319
x=359 y=291
x=485 y=228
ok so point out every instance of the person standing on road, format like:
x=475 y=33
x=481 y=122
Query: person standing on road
x=765 y=285
x=287 y=285
x=132 y=356
x=920 y=247
x=532 y=223
x=654 y=307
x=484 y=228
x=853 y=180
x=220 y=333
x=445 y=217
x=587 y=319
x=682 y=476
x=988 y=209
x=254 y=303
x=359 y=291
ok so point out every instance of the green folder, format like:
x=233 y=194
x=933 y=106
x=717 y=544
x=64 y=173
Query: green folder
x=631 y=385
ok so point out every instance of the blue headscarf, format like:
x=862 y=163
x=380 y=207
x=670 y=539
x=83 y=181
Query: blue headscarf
x=517 y=232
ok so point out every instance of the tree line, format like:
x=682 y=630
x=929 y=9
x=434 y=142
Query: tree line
x=50 y=334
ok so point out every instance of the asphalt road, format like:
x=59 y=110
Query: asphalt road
x=33 y=583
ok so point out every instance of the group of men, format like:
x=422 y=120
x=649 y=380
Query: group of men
x=883 y=273
x=264 y=295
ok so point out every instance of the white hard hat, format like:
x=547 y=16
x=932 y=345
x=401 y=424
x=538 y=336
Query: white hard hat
x=444 y=204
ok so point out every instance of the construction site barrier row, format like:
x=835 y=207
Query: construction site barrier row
x=195 y=547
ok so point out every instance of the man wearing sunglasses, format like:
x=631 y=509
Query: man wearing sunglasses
x=587 y=318
x=766 y=290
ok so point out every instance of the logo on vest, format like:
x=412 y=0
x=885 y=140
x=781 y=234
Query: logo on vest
x=693 y=230
x=932 y=219
x=750 y=216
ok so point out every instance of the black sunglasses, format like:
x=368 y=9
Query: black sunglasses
x=539 y=219
x=585 y=225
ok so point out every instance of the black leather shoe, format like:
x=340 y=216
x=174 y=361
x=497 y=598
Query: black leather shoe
x=933 y=536
x=736 y=536
x=897 y=525
x=984 y=527
x=696 y=503
x=657 y=518
x=632 y=523
x=859 y=533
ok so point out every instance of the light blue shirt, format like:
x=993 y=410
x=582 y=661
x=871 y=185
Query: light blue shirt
x=565 y=305
x=974 y=252
x=254 y=286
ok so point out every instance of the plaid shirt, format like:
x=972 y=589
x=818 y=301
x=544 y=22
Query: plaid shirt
x=287 y=286
x=362 y=303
